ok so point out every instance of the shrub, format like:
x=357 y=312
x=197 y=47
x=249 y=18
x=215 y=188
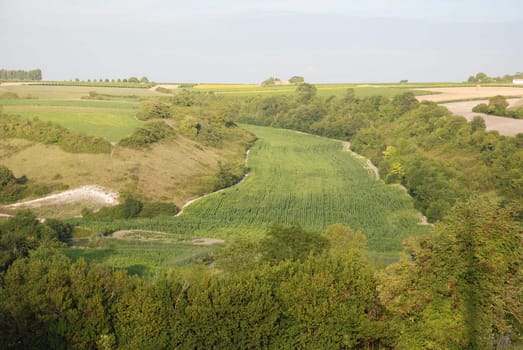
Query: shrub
x=10 y=188
x=152 y=209
x=498 y=105
x=481 y=108
x=163 y=90
x=6 y=176
x=49 y=133
x=228 y=175
x=62 y=230
x=129 y=208
x=93 y=95
x=153 y=110
x=150 y=133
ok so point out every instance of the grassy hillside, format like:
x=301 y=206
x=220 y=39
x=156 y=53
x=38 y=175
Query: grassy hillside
x=173 y=170
x=296 y=178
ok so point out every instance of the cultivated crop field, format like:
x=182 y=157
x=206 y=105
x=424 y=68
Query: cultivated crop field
x=296 y=178
x=322 y=89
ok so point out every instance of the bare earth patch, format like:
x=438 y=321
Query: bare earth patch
x=90 y=193
x=120 y=234
x=165 y=86
x=15 y=83
x=462 y=93
x=505 y=126
x=207 y=241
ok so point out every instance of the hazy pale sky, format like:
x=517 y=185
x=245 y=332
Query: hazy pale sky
x=250 y=40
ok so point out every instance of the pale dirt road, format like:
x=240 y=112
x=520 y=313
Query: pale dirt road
x=14 y=84
x=461 y=93
x=89 y=193
x=165 y=86
x=505 y=126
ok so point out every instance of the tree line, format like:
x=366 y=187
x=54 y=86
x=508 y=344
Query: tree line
x=485 y=79
x=35 y=74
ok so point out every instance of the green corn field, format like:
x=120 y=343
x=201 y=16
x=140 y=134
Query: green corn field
x=295 y=178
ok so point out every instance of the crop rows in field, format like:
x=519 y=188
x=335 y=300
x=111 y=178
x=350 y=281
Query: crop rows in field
x=298 y=178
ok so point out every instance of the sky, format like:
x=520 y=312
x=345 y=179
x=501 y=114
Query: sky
x=246 y=41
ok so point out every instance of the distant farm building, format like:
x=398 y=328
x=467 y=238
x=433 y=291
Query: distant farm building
x=281 y=82
x=517 y=81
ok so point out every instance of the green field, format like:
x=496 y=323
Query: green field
x=145 y=258
x=109 y=120
x=296 y=178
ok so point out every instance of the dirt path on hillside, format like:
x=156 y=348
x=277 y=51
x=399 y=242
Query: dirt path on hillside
x=505 y=126
x=215 y=192
x=88 y=193
x=371 y=168
x=373 y=171
x=207 y=241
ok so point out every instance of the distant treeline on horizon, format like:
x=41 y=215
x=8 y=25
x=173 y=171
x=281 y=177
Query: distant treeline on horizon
x=35 y=74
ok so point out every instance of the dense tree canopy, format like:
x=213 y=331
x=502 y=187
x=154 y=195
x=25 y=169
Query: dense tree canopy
x=35 y=74
x=461 y=288
x=296 y=79
x=151 y=109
